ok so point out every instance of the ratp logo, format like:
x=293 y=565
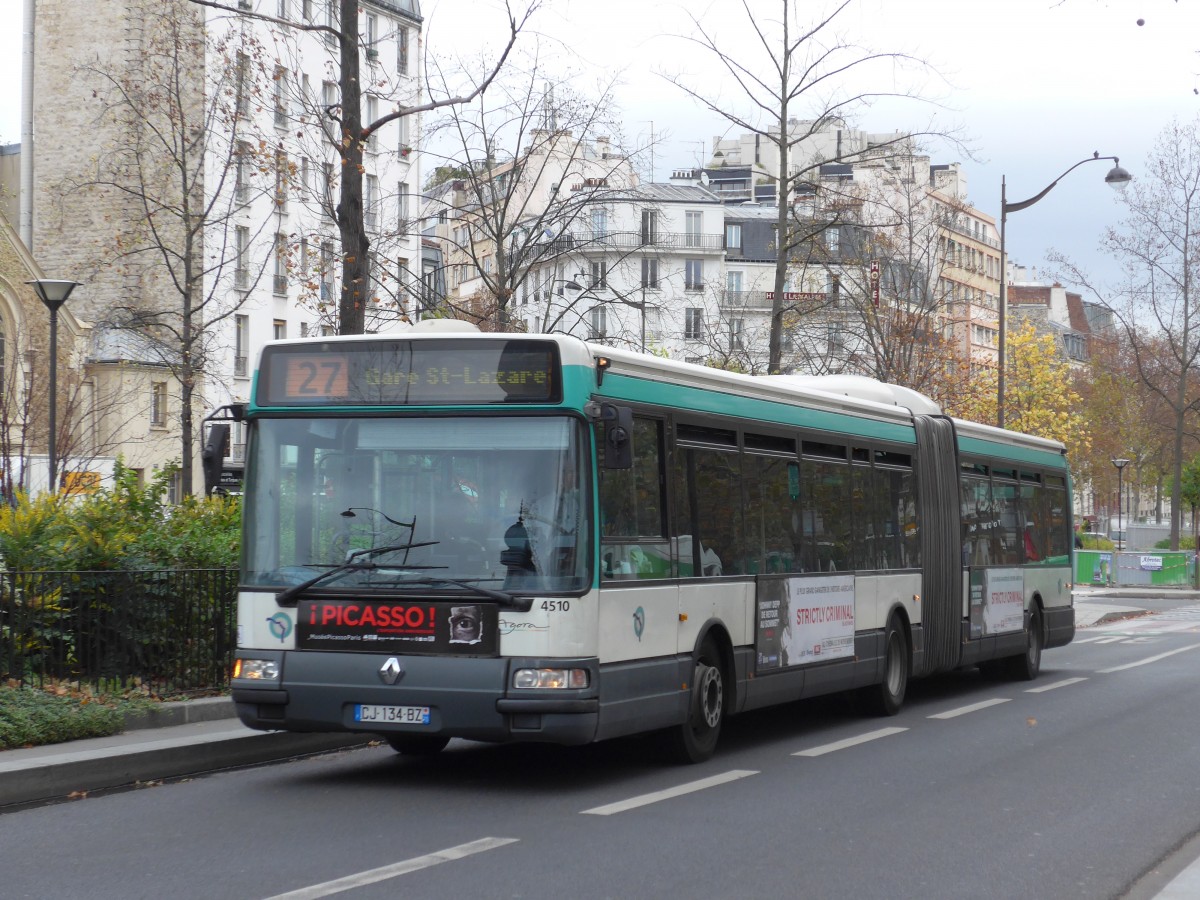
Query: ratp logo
x=639 y=622
x=280 y=625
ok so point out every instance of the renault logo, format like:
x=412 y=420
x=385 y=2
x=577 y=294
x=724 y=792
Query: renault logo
x=391 y=671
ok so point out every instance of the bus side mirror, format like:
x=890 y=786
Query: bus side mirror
x=618 y=436
x=212 y=457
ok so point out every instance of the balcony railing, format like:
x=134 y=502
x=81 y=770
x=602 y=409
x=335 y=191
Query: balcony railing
x=634 y=240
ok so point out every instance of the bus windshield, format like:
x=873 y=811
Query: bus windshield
x=441 y=503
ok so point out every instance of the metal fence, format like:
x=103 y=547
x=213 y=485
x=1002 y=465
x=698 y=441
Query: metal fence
x=169 y=632
x=1133 y=568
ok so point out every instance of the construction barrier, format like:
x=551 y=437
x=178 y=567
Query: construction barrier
x=1134 y=568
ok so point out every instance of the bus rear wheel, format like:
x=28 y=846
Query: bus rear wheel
x=1027 y=666
x=417 y=744
x=696 y=739
x=886 y=698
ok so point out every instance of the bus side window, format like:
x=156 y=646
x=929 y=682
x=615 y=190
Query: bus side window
x=632 y=524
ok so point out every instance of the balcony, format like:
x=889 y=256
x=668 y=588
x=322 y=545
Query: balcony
x=634 y=240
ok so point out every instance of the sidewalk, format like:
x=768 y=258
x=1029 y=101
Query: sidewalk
x=174 y=741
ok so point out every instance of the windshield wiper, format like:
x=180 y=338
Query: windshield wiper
x=288 y=596
x=504 y=598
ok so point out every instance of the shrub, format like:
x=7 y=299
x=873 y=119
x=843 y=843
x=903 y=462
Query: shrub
x=30 y=716
x=1186 y=542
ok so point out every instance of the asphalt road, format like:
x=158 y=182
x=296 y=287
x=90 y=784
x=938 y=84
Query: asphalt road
x=1080 y=784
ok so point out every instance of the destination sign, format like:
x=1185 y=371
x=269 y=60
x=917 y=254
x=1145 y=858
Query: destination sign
x=407 y=373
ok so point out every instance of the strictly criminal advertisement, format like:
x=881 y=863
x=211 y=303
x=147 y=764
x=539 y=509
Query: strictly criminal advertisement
x=804 y=620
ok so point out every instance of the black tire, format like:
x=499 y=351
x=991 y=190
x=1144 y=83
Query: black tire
x=1027 y=666
x=696 y=739
x=417 y=744
x=886 y=698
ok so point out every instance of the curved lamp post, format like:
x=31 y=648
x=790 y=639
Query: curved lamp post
x=1116 y=177
x=54 y=293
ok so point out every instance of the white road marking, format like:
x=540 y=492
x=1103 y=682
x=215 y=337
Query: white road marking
x=1057 y=684
x=1087 y=640
x=1148 y=660
x=1111 y=640
x=371 y=876
x=669 y=793
x=974 y=707
x=850 y=742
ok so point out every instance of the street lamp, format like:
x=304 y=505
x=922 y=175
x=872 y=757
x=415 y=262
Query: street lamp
x=1116 y=177
x=54 y=293
x=1120 y=464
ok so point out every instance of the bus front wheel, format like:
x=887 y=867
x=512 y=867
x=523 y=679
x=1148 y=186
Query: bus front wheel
x=696 y=739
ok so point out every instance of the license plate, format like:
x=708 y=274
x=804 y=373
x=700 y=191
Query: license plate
x=401 y=715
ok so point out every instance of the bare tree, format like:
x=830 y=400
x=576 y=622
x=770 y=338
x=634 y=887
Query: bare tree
x=348 y=131
x=1158 y=306
x=798 y=69
x=530 y=175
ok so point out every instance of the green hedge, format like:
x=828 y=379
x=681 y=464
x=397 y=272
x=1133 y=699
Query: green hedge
x=125 y=527
x=29 y=716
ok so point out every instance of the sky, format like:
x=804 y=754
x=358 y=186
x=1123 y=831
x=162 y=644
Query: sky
x=1032 y=86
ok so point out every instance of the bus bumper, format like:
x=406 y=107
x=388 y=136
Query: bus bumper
x=1060 y=625
x=467 y=697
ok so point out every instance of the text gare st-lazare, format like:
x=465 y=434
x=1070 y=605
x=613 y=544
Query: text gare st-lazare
x=444 y=375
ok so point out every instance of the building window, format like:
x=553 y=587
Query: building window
x=158 y=404
x=833 y=289
x=402 y=207
x=242 y=79
x=242 y=165
x=693 y=225
x=329 y=96
x=597 y=323
x=241 y=249
x=372 y=38
x=280 y=282
x=599 y=222
x=733 y=237
x=733 y=282
x=404 y=148
x=241 y=345
x=306 y=10
x=693 y=274
x=370 y=199
x=327 y=271
x=693 y=324
x=280 y=94
x=736 y=327
x=402 y=51
x=649 y=272
x=599 y=274
x=833 y=338
x=279 y=329
x=327 y=188
x=281 y=180
x=303 y=329
x=649 y=226
x=833 y=240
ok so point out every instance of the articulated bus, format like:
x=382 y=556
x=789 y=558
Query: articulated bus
x=532 y=538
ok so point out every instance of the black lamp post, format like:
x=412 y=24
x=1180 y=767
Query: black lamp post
x=54 y=293
x=1116 y=177
x=1120 y=464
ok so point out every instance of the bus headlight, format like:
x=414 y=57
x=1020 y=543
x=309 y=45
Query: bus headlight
x=551 y=678
x=256 y=669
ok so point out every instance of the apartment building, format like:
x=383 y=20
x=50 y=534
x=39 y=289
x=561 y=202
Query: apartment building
x=258 y=130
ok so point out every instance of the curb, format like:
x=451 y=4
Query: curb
x=181 y=712
x=75 y=772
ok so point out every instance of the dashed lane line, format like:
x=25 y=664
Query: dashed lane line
x=1148 y=660
x=383 y=873
x=974 y=707
x=850 y=742
x=669 y=793
x=1066 y=682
